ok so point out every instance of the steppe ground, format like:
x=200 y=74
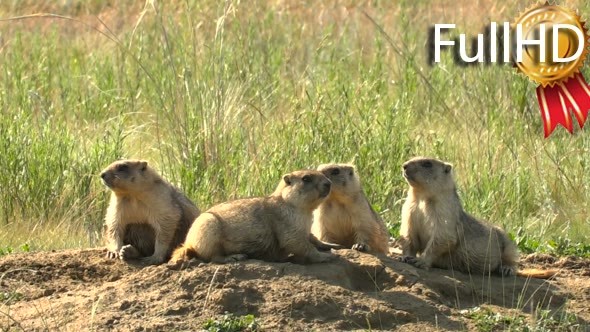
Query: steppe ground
x=225 y=97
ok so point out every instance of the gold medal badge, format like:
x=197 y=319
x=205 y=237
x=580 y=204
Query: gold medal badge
x=557 y=71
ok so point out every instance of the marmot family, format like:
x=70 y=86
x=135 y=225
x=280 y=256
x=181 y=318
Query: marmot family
x=147 y=217
x=268 y=228
x=435 y=226
x=346 y=217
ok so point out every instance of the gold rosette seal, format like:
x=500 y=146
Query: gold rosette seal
x=562 y=87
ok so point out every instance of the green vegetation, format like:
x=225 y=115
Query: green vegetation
x=225 y=97
x=8 y=250
x=7 y=297
x=486 y=320
x=559 y=246
x=231 y=323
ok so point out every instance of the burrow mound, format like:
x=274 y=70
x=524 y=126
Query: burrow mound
x=81 y=289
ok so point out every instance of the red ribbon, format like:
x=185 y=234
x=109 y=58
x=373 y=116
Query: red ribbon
x=556 y=102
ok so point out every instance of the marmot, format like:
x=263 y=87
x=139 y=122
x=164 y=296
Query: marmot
x=268 y=228
x=435 y=226
x=147 y=217
x=346 y=217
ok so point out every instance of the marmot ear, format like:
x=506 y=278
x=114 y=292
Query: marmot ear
x=448 y=168
x=143 y=165
x=287 y=179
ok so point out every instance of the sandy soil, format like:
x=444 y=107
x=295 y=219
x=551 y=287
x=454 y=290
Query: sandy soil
x=74 y=290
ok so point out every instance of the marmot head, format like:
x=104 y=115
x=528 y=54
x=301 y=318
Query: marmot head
x=345 y=180
x=305 y=189
x=129 y=176
x=428 y=175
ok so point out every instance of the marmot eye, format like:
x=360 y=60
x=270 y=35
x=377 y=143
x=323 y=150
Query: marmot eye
x=306 y=178
x=426 y=164
x=335 y=171
x=122 y=168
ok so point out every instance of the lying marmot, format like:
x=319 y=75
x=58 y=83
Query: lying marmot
x=267 y=228
x=346 y=217
x=435 y=225
x=147 y=217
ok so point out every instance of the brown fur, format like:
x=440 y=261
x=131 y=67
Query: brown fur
x=269 y=228
x=346 y=217
x=147 y=217
x=435 y=225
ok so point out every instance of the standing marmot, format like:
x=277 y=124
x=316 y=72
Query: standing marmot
x=147 y=217
x=346 y=217
x=435 y=225
x=268 y=228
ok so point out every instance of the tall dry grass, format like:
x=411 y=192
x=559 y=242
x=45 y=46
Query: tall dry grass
x=224 y=97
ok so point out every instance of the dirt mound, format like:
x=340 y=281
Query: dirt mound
x=81 y=289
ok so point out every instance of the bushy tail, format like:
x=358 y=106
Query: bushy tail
x=180 y=256
x=537 y=273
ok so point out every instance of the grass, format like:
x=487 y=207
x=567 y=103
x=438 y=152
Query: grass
x=231 y=323
x=486 y=320
x=225 y=97
x=8 y=250
x=9 y=297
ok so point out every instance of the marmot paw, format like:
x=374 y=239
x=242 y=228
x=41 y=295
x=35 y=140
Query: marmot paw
x=152 y=260
x=323 y=257
x=420 y=263
x=408 y=259
x=360 y=247
x=176 y=264
x=112 y=255
x=180 y=264
x=128 y=252
x=508 y=271
x=235 y=258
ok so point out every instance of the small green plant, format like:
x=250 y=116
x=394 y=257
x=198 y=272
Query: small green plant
x=231 y=323
x=6 y=250
x=564 y=247
x=25 y=247
x=9 y=250
x=486 y=320
x=559 y=246
x=544 y=320
x=525 y=243
x=9 y=297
